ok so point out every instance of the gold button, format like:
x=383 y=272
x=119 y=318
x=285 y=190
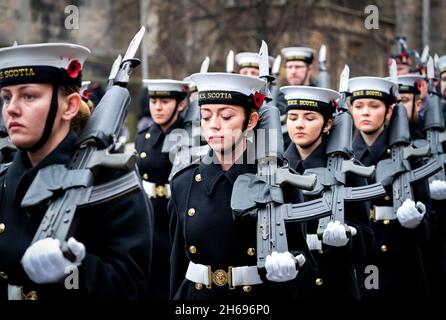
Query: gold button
x=389 y=151
x=2 y=228
x=191 y=212
x=319 y=281
x=384 y=248
x=198 y=286
x=246 y=288
x=198 y=177
x=145 y=176
x=147 y=136
x=251 y=252
x=192 y=249
x=387 y=198
x=386 y=222
x=321 y=251
x=143 y=155
x=3 y=275
x=32 y=295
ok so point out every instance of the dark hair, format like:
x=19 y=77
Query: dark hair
x=66 y=90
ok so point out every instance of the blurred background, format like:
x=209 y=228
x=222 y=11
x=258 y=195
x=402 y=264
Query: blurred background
x=181 y=33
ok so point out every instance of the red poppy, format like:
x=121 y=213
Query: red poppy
x=335 y=104
x=258 y=99
x=74 y=68
x=86 y=94
x=419 y=85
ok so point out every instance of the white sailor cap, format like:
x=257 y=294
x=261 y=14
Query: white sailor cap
x=372 y=87
x=247 y=59
x=409 y=83
x=192 y=86
x=299 y=54
x=166 y=88
x=251 y=60
x=442 y=64
x=228 y=88
x=59 y=63
x=311 y=98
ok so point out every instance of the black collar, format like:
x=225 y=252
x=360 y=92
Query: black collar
x=375 y=151
x=157 y=134
x=20 y=174
x=316 y=159
x=211 y=171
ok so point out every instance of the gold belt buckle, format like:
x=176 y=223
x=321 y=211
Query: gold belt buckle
x=220 y=278
x=160 y=191
x=373 y=214
x=32 y=295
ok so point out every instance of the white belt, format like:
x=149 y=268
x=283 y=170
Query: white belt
x=237 y=276
x=313 y=242
x=156 y=191
x=384 y=213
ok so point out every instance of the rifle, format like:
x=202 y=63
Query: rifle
x=230 y=62
x=184 y=145
x=437 y=69
x=332 y=178
x=403 y=51
x=272 y=214
x=397 y=170
x=113 y=71
x=323 y=77
x=205 y=65
x=68 y=188
x=275 y=73
x=434 y=125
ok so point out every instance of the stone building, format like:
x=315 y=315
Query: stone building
x=181 y=33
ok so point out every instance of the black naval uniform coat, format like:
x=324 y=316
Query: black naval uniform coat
x=117 y=236
x=335 y=277
x=204 y=231
x=434 y=250
x=155 y=166
x=397 y=250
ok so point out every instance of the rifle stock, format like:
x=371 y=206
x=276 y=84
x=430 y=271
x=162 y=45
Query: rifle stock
x=100 y=133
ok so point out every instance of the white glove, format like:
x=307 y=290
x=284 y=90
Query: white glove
x=44 y=262
x=410 y=215
x=335 y=234
x=438 y=189
x=281 y=267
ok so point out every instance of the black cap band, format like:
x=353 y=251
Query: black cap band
x=372 y=94
x=168 y=94
x=226 y=97
x=408 y=89
x=326 y=109
x=249 y=65
x=38 y=74
x=305 y=59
